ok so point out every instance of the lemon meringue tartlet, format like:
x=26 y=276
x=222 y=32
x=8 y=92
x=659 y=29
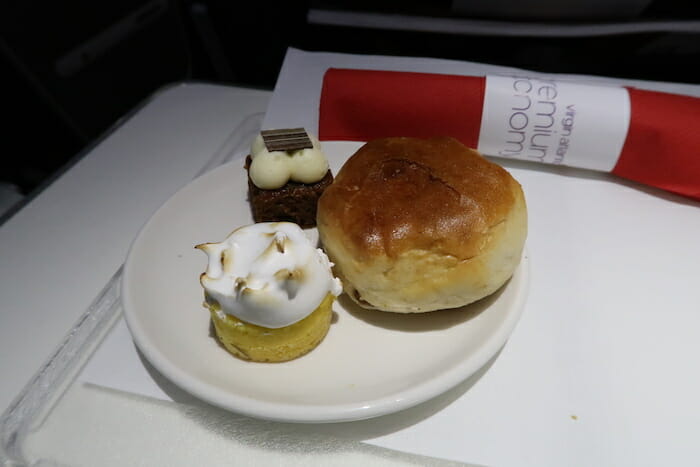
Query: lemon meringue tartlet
x=269 y=292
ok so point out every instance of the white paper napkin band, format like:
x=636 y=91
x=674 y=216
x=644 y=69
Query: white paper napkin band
x=553 y=121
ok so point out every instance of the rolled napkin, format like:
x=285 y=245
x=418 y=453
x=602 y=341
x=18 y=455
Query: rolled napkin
x=646 y=136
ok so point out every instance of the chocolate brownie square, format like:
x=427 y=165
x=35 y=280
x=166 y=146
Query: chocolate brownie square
x=294 y=202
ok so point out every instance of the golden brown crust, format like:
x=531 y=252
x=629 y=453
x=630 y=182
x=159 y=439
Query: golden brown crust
x=397 y=194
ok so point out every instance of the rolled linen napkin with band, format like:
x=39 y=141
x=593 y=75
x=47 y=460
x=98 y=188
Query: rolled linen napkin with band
x=646 y=136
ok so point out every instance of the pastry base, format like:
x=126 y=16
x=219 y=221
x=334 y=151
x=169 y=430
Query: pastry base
x=259 y=344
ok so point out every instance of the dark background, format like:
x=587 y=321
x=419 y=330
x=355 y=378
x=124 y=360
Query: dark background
x=70 y=70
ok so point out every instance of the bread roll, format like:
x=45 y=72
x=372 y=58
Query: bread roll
x=417 y=225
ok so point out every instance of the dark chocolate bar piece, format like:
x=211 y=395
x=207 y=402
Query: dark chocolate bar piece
x=289 y=139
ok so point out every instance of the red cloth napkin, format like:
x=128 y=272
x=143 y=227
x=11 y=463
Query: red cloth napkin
x=662 y=147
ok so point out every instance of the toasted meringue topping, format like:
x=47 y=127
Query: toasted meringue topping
x=268 y=274
x=270 y=170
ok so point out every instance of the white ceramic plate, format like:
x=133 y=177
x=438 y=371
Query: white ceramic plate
x=369 y=364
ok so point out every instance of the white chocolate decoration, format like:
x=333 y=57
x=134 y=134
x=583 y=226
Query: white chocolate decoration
x=268 y=274
x=272 y=170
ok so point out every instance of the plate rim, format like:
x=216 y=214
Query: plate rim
x=304 y=413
